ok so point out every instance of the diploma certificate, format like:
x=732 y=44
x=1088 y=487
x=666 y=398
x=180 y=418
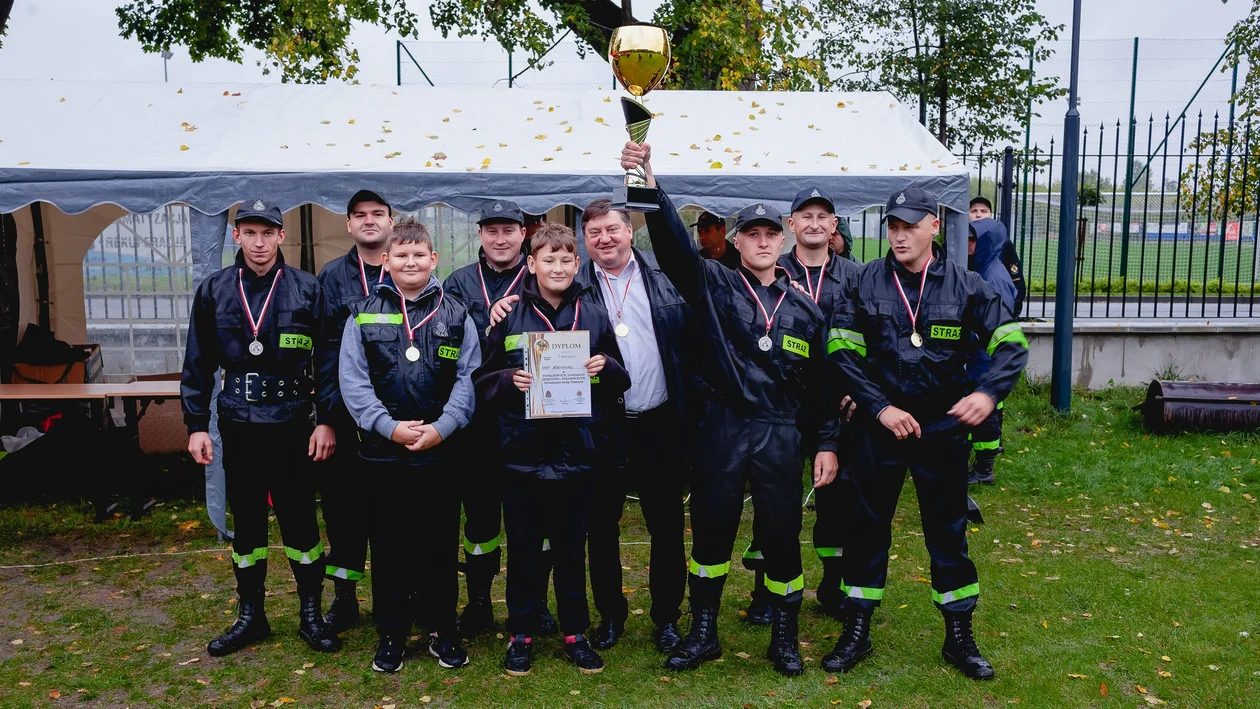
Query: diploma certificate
x=557 y=362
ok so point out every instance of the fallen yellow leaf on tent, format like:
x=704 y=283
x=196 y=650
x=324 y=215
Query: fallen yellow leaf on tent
x=322 y=123
x=599 y=120
x=695 y=147
x=538 y=103
x=180 y=91
x=431 y=137
x=540 y=136
x=446 y=120
x=28 y=162
x=351 y=121
x=479 y=147
x=502 y=145
x=717 y=138
x=457 y=110
x=548 y=159
x=728 y=150
x=569 y=129
x=829 y=154
x=183 y=147
x=682 y=115
x=607 y=99
x=486 y=162
x=439 y=156
x=716 y=166
x=840 y=104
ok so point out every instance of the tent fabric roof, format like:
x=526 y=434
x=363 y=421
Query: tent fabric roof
x=144 y=145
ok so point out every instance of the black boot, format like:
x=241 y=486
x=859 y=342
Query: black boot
x=982 y=468
x=251 y=626
x=785 y=650
x=477 y=618
x=960 y=646
x=854 y=644
x=389 y=653
x=343 y=613
x=667 y=638
x=701 y=643
x=830 y=595
x=759 y=611
x=311 y=626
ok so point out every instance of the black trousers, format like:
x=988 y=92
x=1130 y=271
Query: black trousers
x=657 y=470
x=768 y=455
x=415 y=544
x=555 y=510
x=481 y=493
x=262 y=458
x=988 y=435
x=938 y=465
x=347 y=503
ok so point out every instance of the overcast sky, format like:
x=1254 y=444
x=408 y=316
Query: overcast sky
x=78 y=39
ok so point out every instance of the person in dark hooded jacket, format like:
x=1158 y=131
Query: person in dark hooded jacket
x=549 y=465
x=986 y=244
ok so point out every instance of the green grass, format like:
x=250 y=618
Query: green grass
x=1100 y=557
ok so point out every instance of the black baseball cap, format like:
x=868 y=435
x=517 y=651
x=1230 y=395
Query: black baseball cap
x=708 y=219
x=501 y=210
x=365 y=196
x=910 y=205
x=980 y=200
x=259 y=210
x=757 y=214
x=812 y=195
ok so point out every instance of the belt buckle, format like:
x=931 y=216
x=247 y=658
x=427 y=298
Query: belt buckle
x=249 y=395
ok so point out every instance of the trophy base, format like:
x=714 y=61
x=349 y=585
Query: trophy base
x=631 y=198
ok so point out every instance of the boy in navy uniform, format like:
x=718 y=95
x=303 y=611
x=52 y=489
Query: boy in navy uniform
x=985 y=246
x=258 y=320
x=347 y=502
x=762 y=342
x=549 y=465
x=407 y=357
x=498 y=273
x=900 y=343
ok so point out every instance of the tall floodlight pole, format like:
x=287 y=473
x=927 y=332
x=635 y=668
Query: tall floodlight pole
x=166 y=54
x=1065 y=283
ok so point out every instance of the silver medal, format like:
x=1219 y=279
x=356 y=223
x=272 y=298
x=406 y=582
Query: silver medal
x=255 y=348
x=765 y=343
x=622 y=330
x=916 y=339
x=413 y=354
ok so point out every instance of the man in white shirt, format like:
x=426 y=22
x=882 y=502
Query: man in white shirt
x=649 y=318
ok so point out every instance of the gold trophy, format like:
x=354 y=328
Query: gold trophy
x=639 y=56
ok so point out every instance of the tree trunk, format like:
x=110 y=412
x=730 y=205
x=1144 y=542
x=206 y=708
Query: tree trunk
x=918 y=63
x=943 y=75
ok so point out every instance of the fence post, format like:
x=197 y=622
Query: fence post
x=509 y=68
x=1229 y=169
x=1065 y=286
x=1008 y=186
x=398 y=59
x=1128 y=176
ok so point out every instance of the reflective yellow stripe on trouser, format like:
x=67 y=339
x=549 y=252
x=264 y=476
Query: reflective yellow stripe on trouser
x=710 y=571
x=339 y=572
x=870 y=594
x=784 y=589
x=305 y=557
x=957 y=595
x=477 y=549
x=244 y=561
x=829 y=552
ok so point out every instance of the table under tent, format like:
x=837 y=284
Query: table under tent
x=76 y=156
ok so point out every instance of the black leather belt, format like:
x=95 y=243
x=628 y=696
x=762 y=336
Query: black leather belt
x=255 y=387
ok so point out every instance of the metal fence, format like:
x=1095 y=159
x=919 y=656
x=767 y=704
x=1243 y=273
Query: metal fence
x=1167 y=229
x=569 y=65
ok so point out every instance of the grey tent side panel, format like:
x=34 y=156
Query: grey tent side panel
x=207 y=232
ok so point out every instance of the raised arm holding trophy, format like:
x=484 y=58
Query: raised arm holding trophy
x=640 y=57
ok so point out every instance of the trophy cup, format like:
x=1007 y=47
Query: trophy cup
x=639 y=56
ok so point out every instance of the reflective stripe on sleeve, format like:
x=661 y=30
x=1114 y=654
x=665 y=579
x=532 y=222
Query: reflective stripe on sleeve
x=840 y=339
x=1010 y=332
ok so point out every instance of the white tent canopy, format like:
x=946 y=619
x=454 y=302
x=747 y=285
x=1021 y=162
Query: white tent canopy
x=82 y=147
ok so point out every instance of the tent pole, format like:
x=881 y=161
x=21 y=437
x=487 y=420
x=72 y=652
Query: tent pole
x=41 y=266
x=308 y=238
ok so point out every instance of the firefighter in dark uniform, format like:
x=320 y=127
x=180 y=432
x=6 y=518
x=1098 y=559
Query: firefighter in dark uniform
x=899 y=344
x=762 y=343
x=258 y=320
x=814 y=266
x=345 y=282
x=498 y=273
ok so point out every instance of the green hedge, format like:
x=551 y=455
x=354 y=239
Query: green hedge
x=1100 y=286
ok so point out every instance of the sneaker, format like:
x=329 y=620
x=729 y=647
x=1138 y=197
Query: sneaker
x=389 y=654
x=450 y=652
x=579 y=651
x=519 y=654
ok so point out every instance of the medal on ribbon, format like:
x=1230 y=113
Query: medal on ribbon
x=256 y=347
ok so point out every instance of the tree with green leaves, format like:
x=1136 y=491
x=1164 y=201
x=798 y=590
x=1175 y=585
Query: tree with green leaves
x=716 y=44
x=963 y=63
x=1244 y=48
x=307 y=41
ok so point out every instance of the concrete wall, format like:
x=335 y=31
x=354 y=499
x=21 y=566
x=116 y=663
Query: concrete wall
x=1133 y=352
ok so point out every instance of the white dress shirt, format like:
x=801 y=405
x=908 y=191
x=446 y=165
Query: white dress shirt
x=641 y=355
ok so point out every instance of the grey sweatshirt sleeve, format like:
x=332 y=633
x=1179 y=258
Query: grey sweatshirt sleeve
x=356 y=385
x=459 y=407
